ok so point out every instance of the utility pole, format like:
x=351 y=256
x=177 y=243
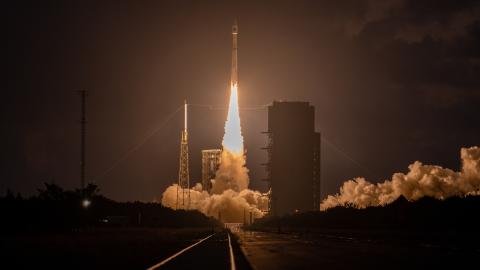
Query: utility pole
x=83 y=132
x=83 y=123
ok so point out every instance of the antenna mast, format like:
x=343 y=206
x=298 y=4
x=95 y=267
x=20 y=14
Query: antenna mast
x=83 y=122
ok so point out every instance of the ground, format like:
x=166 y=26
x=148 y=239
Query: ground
x=117 y=248
x=141 y=248
x=360 y=250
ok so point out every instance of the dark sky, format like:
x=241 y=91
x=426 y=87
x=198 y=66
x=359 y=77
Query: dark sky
x=392 y=82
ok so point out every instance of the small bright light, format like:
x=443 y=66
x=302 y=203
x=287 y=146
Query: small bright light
x=86 y=203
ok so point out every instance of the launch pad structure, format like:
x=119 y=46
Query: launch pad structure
x=291 y=133
x=183 y=187
x=211 y=159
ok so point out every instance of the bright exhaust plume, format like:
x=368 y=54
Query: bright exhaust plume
x=233 y=139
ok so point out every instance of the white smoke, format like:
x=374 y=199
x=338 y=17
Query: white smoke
x=420 y=181
x=231 y=174
x=231 y=200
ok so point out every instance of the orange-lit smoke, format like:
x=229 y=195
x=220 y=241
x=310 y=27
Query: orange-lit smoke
x=420 y=181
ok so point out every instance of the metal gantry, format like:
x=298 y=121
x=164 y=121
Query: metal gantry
x=183 y=187
x=268 y=169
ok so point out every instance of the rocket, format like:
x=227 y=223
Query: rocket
x=234 y=77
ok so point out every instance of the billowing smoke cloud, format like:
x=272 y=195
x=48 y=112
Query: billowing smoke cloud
x=232 y=173
x=230 y=198
x=421 y=180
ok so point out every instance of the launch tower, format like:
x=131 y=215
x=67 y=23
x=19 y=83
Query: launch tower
x=293 y=165
x=183 y=188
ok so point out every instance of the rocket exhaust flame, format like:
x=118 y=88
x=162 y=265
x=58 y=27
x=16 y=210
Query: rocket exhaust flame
x=233 y=139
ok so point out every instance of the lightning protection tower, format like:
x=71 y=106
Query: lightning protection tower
x=83 y=132
x=183 y=188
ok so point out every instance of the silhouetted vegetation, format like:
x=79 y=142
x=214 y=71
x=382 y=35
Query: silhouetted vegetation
x=55 y=209
x=426 y=214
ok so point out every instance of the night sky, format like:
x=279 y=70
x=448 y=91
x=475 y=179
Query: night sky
x=391 y=81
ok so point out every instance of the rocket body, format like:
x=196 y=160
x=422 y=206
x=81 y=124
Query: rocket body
x=234 y=76
x=233 y=139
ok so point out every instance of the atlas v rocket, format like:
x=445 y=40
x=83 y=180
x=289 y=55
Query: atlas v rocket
x=234 y=78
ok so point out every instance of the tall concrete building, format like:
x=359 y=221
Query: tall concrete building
x=293 y=166
x=210 y=164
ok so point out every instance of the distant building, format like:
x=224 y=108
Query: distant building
x=293 y=166
x=210 y=164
